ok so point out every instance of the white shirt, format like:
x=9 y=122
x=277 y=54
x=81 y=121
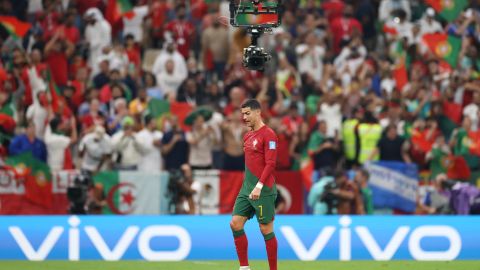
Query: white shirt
x=38 y=114
x=128 y=147
x=134 y=25
x=332 y=115
x=471 y=110
x=429 y=27
x=94 y=150
x=201 y=153
x=311 y=62
x=56 y=145
x=150 y=159
x=98 y=36
x=180 y=69
x=169 y=83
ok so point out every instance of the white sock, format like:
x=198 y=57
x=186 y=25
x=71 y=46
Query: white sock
x=244 y=267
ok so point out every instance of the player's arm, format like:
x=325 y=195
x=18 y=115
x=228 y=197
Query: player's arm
x=270 y=154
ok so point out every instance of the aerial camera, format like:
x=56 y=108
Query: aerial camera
x=257 y=17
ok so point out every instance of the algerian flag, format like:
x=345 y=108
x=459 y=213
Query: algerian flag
x=134 y=192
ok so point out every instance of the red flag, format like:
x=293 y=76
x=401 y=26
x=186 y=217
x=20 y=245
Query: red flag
x=390 y=30
x=118 y=8
x=181 y=110
x=457 y=167
x=14 y=26
x=453 y=111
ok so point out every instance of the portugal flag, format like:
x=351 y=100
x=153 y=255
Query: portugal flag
x=448 y=9
x=14 y=27
x=159 y=109
x=116 y=9
x=399 y=72
x=37 y=177
x=444 y=46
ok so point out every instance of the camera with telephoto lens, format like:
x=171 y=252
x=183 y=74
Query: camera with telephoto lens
x=77 y=194
x=328 y=197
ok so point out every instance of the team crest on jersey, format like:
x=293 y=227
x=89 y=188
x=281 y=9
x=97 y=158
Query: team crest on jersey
x=255 y=142
x=272 y=145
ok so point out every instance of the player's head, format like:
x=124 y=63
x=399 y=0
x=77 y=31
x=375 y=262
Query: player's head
x=251 y=112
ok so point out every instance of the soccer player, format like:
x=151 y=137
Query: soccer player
x=258 y=193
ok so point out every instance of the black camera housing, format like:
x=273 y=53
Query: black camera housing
x=254 y=58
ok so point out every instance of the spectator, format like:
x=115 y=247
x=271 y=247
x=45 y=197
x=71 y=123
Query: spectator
x=95 y=150
x=57 y=52
x=150 y=141
x=181 y=31
x=98 y=35
x=57 y=143
x=331 y=112
x=388 y=6
x=153 y=90
x=233 y=131
x=310 y=57
x=369 y=133
x=174 y=145
x=344 y=28
x=28 y=142
x=189 y=92
x=215 y=48
x=126 y=147
x=170 y=52
x=472 y=111
x=348 y=196
x=169 y=81
x=140 y=104
x=324 y=150
x=391 y=147
x=361 y=179
x=428 y=24
x=201 y=139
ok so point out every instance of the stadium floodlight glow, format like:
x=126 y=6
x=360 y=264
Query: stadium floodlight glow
x=258 y=17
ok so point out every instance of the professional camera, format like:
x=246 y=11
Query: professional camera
x=77 y=194
x=254 y=58
x=329 y=198
x=258 y=17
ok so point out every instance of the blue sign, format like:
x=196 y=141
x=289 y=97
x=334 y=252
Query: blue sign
x=393 y=184
x=158 y=238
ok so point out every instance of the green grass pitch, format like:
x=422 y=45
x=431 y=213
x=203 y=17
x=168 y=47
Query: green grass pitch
x=233 y=265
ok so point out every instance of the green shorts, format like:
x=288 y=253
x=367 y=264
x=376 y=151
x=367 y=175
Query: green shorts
x=263 y=208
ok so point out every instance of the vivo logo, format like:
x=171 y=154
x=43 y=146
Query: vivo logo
x=366 y=237
x=125 y=240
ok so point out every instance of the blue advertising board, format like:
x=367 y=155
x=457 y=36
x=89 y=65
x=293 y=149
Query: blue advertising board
x=170 y=238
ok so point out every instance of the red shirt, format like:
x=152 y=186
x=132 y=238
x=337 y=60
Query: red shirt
x=283 y=156
x=159 y=14
x=133 y=56
x=182 y=32
x=343 y=28
x=333 y=9
x=57 y=61
x=260 y=148
x=71 y=34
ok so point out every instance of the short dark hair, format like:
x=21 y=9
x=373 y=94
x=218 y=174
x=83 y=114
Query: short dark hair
x=252 y=104
x=54 y=123
x=364 y=173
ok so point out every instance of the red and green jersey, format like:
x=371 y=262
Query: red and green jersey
x=260 y=148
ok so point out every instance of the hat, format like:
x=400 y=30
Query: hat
x=202 y=111
x=430 y=12
x=127 y=121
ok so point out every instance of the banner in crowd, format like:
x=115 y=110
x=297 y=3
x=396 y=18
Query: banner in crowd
x=174 y=238
x=217 y=190
x=393 y=184
x=133 y=192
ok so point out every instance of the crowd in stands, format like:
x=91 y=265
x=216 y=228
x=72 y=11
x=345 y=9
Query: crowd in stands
x=78 y=85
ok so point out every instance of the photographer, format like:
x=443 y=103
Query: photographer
x=181 y=191
x=342 y=195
